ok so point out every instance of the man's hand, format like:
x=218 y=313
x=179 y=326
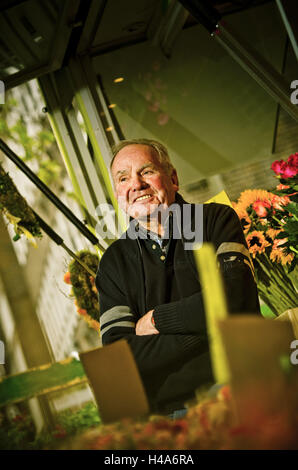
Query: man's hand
x=144 y=325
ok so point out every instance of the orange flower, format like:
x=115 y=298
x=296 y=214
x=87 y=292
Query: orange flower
x=271 y=232
x=82 y=311
x=279 y=201
x=258 y=199
x=257 y=242
x=249 y=196
x=278 y=253
x=66 y=278
x=243 y=216
x=280 y=187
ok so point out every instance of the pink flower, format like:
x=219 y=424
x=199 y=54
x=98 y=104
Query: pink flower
x=278 y=167
x=289 y=171
x=260 y=207
x=286 y=169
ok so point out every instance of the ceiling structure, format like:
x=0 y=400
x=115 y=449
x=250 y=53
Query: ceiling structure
x=39 y=36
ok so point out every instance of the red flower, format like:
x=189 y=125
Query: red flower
x=260 y=207
x=293 y=161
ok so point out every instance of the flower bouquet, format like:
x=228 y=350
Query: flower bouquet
x=83 y=287
x=270 y=223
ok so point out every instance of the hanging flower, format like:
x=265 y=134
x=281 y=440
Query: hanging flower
x=83 y=287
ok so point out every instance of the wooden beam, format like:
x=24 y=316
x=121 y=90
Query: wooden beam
x=41 y=380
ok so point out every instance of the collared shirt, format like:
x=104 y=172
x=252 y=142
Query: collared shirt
x=153 y=238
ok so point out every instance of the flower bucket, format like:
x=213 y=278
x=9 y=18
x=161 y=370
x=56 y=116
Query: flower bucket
x=291 y=315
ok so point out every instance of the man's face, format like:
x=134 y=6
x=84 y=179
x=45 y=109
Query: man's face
x=141 y=182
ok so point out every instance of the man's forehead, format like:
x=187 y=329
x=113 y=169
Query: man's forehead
x=142 y=157
x=127 y=168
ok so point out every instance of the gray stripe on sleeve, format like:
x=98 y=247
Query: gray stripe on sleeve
x=226 y=247
x=115 y=313
x=125 y=324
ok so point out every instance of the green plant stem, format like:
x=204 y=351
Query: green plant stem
x=278 y=276
x=274 y=285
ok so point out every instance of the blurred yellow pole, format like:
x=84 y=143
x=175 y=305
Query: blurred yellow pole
x=215 y=308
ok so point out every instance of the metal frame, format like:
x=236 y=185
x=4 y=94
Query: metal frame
x=67 y=92
x=259 y=69
x=86 y=92
x=61 y=42
x=289 y=14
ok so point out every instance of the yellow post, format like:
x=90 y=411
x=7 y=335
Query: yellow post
x=215 y=308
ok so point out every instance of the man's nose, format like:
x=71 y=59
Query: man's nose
x=138 y=183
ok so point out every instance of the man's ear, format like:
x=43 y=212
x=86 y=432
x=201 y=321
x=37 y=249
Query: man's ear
x=174 y=179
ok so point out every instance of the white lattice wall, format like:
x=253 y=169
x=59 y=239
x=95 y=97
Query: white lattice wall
x=55 y=308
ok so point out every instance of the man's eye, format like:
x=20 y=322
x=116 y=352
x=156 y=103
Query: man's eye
x=146 y=172
x=123 y=179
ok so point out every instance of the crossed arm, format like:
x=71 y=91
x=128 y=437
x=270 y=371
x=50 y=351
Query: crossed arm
x=145 y=326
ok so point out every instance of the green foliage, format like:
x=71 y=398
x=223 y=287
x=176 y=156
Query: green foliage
x=41 y=147
x=19 y=434
x=85 y=418
x=13 y=204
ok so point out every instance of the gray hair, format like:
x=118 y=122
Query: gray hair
x=159 y=149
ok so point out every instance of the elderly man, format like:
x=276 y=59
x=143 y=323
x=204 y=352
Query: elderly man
x=148 y=285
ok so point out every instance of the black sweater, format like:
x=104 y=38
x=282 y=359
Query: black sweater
x=131 y=281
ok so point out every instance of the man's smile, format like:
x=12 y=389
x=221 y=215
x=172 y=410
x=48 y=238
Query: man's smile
x=141 y=198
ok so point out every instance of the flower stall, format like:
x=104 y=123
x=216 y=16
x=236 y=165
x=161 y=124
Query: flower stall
x=270 y=224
